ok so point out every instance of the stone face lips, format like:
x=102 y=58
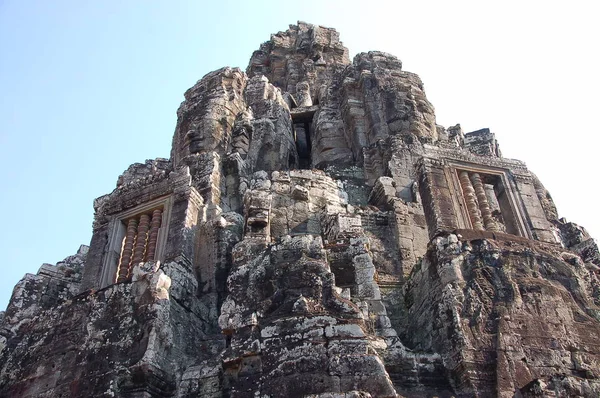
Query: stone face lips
x=315 y=233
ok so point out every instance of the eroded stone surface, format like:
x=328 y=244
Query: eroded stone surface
x=316 y=234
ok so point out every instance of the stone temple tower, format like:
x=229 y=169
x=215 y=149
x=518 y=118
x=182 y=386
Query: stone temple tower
x=314 y=233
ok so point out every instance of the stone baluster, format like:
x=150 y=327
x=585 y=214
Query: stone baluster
x=153 y=235
x=484 y=206
x=142 y=238
x=471 y=200
x=123 y=272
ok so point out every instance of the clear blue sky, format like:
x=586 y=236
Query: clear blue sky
x=89 y=87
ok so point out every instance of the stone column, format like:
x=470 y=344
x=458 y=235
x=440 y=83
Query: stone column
x=471 y=200
x=140 y=242
x=484 y=206
x=123 y=270
x=153 y=235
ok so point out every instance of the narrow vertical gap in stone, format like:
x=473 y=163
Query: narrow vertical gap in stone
x=125 y=260
x=490 y=192
x=153 y=235
x=302 y=145
x=142 y=238
x=471 y=200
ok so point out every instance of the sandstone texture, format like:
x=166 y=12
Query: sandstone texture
x=315 y=233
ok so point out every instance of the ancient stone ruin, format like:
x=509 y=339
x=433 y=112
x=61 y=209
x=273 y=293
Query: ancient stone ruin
x=315 y=233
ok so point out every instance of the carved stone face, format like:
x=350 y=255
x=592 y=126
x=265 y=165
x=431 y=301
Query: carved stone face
x=194 y=140
x=242 y=133
x=258 y=218
x=258 y=211
x=423 y=121
x=203 y=136
x=257 y=214
x=303 y=94
x=197 y=141
x=207 y=115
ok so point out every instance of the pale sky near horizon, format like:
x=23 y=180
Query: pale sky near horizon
x=89 y=87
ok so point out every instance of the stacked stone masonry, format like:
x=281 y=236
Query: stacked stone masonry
x=315 y=233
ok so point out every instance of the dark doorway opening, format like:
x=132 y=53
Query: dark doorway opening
x=302 y=120
x=303 y=144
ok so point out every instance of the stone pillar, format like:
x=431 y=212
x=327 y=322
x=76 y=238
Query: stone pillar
x=153 y=235
x=140 y=242
x=123 y=270
x=484 y=206
x=471 y=200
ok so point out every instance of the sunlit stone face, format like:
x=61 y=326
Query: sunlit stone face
x=303 y=94
x=242 y=133
x=206 y=130
x=207 y=116
x=258 y=218
x=258 y=204
x=201 y=140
